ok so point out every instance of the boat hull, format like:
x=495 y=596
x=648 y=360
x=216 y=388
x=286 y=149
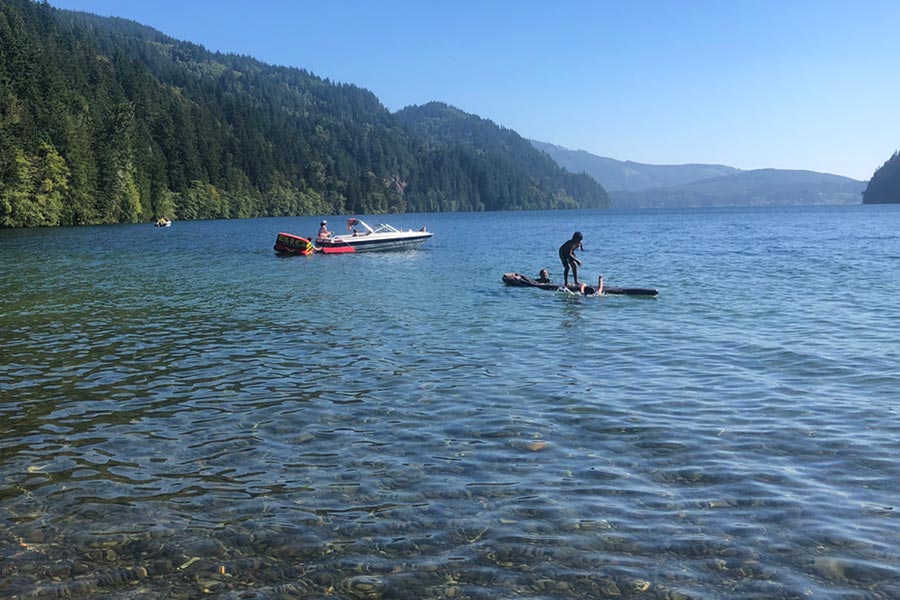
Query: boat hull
x=377 y=243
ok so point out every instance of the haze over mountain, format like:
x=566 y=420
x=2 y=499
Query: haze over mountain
x=637 y=185
x=760 y=187
x=617 y=175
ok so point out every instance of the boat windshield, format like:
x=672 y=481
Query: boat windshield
x=353 y=224
x=360 y=227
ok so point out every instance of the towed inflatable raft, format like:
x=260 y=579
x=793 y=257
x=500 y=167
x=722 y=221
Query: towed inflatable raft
x=517 y=280
x=293 y=245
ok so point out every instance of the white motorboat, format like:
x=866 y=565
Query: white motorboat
x=363 y=238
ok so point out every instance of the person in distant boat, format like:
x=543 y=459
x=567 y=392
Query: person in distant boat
x=543 y=276
x=324 y=234
x=567 y=256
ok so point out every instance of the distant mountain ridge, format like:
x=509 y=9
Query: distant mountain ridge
x=616 y=175
x=761 y=187
x=637 y=185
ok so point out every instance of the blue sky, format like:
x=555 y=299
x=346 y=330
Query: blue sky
x=751 y=84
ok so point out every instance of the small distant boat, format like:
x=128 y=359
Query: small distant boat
x=162 y=222
x=362 y=238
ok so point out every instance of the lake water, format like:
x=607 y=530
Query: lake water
x=184 y=414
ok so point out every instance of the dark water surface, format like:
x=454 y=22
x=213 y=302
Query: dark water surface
x=183 y=414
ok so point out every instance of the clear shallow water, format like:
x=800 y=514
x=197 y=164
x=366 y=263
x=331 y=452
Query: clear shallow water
x=184 y=414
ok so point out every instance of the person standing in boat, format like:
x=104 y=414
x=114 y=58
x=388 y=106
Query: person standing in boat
x=567 y=256
x=324 y=234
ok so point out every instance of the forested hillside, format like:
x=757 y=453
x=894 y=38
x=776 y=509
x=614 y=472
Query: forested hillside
x=884 y=187
x=507 y=169
x=107 y=121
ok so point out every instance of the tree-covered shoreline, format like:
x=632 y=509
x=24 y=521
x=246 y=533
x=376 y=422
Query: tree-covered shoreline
x=884 y=187
x=104 y=120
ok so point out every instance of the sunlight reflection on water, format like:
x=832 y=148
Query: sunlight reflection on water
x=176 y=420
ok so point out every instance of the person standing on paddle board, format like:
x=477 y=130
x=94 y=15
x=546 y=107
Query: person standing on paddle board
x=567 y=256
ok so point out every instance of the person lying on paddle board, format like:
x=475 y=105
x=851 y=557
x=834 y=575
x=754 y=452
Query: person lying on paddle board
x=567 y=256
x=544 y=283
x=588 y=290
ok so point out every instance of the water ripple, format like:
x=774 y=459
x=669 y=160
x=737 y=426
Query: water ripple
x=357 y=427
